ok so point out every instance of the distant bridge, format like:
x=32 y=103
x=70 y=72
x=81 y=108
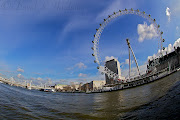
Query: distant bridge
x=28 y=86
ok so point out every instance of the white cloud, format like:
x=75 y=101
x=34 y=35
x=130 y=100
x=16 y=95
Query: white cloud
x=167 y=50
x=32 y=78
x=49 y=79
x=74 y=83
x=177 y=28
x=107 y=58
x=82 y=22
x=177 y=43
x=114 y=7
x=146 y=32
x=98 y=76
x=81 y=65
x=134 y=71
x=168 y=13
x=20 y=76
x=62 y=80
x=127 y=61
x=82 y=75
x=70 y=68
x=39 y=79
x=170 y=48
x=20 y=70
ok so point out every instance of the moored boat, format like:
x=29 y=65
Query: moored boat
x=47 y=90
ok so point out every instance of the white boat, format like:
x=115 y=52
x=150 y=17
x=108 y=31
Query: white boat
x=88 y=92
x=48 y=90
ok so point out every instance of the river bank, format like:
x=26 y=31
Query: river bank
x=133 y=103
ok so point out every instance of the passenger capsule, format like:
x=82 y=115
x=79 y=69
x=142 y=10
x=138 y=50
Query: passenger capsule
x=92 y=54
x=158 y=26
x=163 y=40
x=92 y=48
x=161 y=32
x=98 y=67
x=94 y=61
x=119 y=10
x=92 y=41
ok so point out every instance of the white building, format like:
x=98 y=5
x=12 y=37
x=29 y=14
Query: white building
x=97 y=84
x=60 y=86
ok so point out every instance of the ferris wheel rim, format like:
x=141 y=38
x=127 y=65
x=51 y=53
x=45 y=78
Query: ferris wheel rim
x=97 y=36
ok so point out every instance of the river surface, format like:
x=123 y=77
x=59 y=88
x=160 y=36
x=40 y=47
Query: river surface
x=156 y=100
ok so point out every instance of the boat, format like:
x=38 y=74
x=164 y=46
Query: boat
x=88 y=92
x=47 y=90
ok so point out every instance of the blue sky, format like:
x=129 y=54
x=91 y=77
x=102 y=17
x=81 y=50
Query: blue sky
x=51 y=40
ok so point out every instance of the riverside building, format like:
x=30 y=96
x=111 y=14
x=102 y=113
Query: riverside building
x=114 y=66
x=96 y=85
x=170 y=61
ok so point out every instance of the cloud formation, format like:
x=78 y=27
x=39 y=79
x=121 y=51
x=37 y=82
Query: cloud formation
x=20 y=70
x=107 y=58
x=146 y=32
x=81 y=65
x=82 y=75
x=20 y=76
x=134 y=71
x=177 y=43
x=114 y=6
x=127 y=61
x=40 y=79
x=167 y=50
x=177 y=28
x=168 y=13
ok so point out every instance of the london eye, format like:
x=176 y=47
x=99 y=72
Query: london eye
x=95 y=48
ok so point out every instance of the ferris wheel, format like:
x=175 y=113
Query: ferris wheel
x=97 y=36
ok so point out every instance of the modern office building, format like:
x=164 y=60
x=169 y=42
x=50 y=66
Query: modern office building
x=114 y=66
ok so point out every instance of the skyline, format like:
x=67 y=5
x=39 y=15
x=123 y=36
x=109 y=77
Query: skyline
x=53 y=41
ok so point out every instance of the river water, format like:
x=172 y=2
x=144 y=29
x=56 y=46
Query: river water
x=156 y=100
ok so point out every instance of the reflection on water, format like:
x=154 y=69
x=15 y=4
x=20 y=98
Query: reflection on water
x=25 y=104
